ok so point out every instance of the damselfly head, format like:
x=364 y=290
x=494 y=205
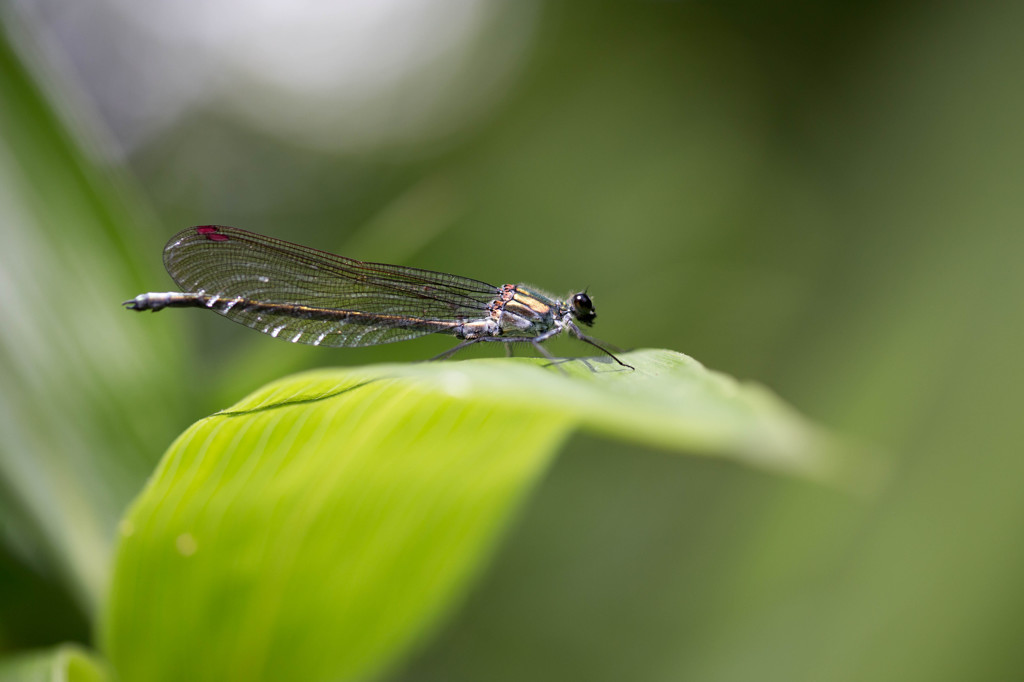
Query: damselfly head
x=583 y=308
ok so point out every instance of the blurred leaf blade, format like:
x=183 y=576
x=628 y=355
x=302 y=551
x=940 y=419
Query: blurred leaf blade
x=356 y=505
x=83 y=410
x=65 y=663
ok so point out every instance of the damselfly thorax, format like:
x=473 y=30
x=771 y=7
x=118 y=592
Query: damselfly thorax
x=307 y=296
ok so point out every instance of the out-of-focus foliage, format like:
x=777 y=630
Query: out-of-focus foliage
x=825 y=199
x=78 y=384
x=66 y=663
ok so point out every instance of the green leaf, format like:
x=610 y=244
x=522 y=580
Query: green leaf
x=85 y=391
x=66 y=663
x=322 y=525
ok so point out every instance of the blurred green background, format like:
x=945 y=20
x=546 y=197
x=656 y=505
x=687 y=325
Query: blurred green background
x=824 y=198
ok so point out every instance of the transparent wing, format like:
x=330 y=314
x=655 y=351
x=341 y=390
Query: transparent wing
x=315 y=297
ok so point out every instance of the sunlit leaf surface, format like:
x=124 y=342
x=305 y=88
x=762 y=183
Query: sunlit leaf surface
x=320 y=526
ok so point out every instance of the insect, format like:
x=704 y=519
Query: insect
x=308 y=296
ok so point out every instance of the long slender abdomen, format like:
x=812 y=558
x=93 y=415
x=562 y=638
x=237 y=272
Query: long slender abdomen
x=170 y=299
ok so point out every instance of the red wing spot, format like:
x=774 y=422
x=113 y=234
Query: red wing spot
x=212 y=232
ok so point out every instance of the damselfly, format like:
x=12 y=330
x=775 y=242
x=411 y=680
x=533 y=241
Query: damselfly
x=303 y=295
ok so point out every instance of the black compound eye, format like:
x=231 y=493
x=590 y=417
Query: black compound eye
x=582 y=301
x=583 y=308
